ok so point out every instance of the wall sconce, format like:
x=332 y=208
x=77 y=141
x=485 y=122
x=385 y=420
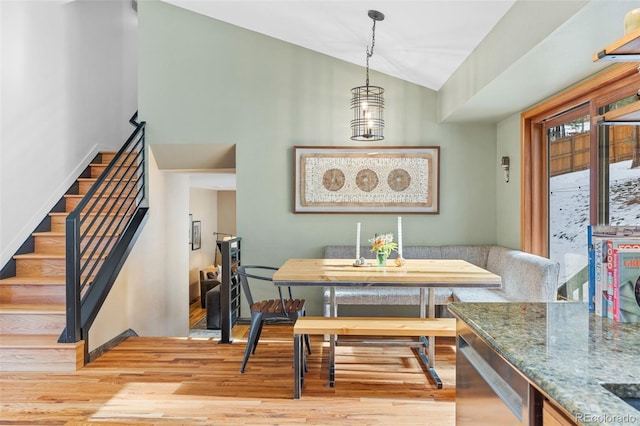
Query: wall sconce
x=504 y=163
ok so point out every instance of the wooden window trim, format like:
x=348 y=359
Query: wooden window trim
x=600 y=89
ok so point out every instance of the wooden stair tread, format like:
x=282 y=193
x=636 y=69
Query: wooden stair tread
x=34 y=280
x=62 y=234
x=90 y=214
x=32 y=303
x=33 y=341
x=93 y=179
x=48 y=256
x=120 y=163
x=95 y=196
x=28 y=308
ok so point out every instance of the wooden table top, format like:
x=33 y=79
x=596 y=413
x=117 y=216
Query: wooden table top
x=414 y=273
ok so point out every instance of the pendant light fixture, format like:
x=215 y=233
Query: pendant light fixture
x=367 y=102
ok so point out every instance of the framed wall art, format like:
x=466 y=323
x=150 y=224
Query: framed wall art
x=367 y=179
x=196 y=233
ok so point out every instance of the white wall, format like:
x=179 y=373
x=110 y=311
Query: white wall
x=68 y=89
x=203 y=81
x=203 y=205
x=227 y=212
x=151 y=295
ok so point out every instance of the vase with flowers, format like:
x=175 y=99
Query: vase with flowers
x=382 y=246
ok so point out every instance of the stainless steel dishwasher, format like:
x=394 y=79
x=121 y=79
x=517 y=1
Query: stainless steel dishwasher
x=489 y=391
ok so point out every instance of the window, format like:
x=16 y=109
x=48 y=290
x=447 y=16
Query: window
x=568 y=141
x=577 y=171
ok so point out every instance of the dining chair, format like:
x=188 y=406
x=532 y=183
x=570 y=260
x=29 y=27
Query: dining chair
x=267 y=310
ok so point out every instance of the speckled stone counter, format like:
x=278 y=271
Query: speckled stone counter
x=566 y=353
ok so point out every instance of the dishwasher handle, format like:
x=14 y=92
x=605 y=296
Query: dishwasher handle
x=503 y=390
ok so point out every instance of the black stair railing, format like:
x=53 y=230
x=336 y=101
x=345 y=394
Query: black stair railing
x=100 y=232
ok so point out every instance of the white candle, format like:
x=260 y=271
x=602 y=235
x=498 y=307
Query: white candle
x=399 y=236
x=358 y=240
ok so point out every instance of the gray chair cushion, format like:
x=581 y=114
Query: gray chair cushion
x=479 y=295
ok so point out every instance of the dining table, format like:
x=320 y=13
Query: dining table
x=423 y=274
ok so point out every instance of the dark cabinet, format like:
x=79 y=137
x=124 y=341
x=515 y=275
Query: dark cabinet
x=230 y=286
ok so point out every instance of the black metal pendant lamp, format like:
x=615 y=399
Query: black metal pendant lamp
x=367 y=102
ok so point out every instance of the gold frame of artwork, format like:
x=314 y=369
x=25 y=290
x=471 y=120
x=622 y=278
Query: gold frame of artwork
x=367 y=179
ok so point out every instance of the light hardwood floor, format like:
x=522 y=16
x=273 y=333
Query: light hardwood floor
x=147 y=380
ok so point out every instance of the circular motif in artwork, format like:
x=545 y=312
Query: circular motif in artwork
x=333 y=179
x=367 y=180
x=399 y=180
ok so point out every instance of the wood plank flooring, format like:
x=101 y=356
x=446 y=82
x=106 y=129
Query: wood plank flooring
x=150 y=380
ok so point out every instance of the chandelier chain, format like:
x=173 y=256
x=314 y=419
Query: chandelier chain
x=370 y=52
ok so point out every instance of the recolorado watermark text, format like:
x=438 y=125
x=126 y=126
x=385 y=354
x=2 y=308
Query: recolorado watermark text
x=606 y=418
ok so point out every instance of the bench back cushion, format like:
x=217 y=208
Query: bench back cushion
x=472 y=254
x=525 y=276
x=346 y=252
x=409 y=252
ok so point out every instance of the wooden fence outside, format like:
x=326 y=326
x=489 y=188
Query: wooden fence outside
x=571 y=153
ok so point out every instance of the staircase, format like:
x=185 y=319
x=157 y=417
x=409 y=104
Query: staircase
x=32 y=303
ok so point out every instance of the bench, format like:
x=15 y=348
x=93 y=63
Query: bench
x=361 y=326
x=525 y=277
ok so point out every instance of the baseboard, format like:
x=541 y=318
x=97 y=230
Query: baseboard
x=107 y=346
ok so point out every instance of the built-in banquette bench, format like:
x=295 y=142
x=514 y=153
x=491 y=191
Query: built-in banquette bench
x=525 y=277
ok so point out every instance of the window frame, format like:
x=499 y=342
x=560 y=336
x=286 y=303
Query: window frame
x=605 y=87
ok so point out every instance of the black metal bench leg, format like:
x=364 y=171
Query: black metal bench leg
x=307 y=341
x=298 y=354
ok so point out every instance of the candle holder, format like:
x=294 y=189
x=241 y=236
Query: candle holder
x=399 y=261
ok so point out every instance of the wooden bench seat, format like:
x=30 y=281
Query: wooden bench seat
x=362 y=326
x=374 y=326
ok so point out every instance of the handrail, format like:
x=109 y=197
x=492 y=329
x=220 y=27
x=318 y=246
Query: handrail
x=95 y=228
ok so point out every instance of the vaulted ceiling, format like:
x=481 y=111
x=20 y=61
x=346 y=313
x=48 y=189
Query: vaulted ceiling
x=422 y=42
x=541 y=47
x=546 y=46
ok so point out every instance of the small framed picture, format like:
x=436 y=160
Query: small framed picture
x=195 y=234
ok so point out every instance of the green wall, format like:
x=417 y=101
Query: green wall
x=204 y=81
x=508 y=193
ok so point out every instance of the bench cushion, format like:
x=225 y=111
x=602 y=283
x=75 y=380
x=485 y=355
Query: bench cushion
x=391 y=296
x=525 y=277
x=479 y=295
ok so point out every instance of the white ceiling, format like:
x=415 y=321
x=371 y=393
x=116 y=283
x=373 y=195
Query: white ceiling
x=420 y=41
x=426 y=41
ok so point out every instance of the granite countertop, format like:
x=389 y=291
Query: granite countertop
x=566 y=353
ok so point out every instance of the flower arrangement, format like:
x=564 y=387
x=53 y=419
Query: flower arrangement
x=383 y=244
